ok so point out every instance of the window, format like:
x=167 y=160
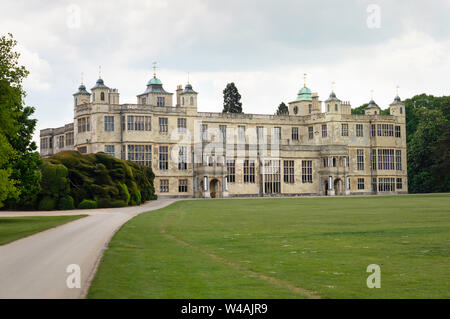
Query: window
x=386 y=159
x=306 y=171
x=102 y=96
x=398 y=160
x=204 y=132
x=310 y=132
x=295 y=133
x=163 y=126
x=82 y=149
x=295 y=109
x=385 y=129
x=144 y=100
x=164 y=158
x=374 y=184
x=160 y=101
x=140 y=154
x=241 y=133
x=399 y=183
x=398 y=131
x=344 y=130
x=401 y=110
x=84 y=124
x=373 y=129
x=360 y=160
x=328 y=107
x=386 y=184
x=231 y=171
x=69 y=139
x=164 y=186
x=182 y=158
x=359 y=130
x=109 y=150
x=336 y=107
x=60 y=141
x=181 y=124
x=276 y=134
x=44 y=143
x=138 y=123
x=360 y=183
x=249 y=171
x=309 y=108
x=289 y=172
x=109 y=123
x=272 y=183
x=223 y=131
x=192 y=100
x=324 y=131
x=374 y=160
x=182 y=186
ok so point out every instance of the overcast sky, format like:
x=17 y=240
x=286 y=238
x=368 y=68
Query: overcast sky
x=265 y=47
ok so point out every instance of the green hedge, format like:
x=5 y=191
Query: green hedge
x=76 y=180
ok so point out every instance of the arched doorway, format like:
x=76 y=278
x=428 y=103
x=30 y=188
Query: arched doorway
x=337 y=186
x=214 y=188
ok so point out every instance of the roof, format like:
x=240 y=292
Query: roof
x=155 y=86
x=397 y=100
x=304 y=94
x=82 y=91
x=100 y=85
x=188 y=89
x=332 y=97
x=372 y=105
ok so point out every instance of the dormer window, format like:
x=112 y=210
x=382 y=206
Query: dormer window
x=102 y=96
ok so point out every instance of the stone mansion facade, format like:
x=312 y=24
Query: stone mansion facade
x=203 y=154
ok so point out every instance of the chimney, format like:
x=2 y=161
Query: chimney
x=179 y=90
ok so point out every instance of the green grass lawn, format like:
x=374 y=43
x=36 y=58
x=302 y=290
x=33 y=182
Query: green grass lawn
x=13 y=228
x=282 y=248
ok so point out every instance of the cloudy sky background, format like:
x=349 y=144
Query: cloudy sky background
x=262 y=46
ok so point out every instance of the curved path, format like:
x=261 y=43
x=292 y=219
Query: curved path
x=35 y=266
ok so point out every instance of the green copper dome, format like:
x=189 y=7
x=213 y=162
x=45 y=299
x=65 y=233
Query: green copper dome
x=304 y=94
x=154 y=81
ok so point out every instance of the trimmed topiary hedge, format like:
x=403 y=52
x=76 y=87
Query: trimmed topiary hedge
x=76 y=180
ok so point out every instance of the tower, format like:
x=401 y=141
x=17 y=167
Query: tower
x=306 y=102
x=372 y=108
x=82 y=96
x=189 y=99
x=397 y=107
x=100 y=92
x=155 y=94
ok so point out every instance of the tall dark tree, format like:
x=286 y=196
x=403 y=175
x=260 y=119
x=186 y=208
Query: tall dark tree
x=17 y=126
x=231 y=99
x=282 y=109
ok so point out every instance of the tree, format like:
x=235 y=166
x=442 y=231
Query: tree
x=282 y=109
x=7 y=184
x=231 y=99
x=18 y=127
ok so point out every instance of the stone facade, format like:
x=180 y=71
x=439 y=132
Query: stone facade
x=201 y=154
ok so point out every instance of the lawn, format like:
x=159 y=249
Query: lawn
x=282 y=248
x=13 y=228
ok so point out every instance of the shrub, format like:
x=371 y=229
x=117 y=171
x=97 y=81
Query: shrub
x=66 y=203
x=109 y=203
x=47 y=203
x=87 y=204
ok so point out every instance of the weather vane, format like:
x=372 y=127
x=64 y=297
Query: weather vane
x=304 y=79
x=397 y=87
x=332 y=86
x=99 y=71
x=371 y=94
x=82 y=76
x=154 y=68
x=188 y=78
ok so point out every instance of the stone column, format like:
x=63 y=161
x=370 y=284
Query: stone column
x=331 y=186
x=206 y=193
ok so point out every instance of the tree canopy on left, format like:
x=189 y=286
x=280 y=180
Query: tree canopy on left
x=19 y=159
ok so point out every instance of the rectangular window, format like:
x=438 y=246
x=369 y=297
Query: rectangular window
x=374 y=184
x=310 y=132
x=249 y=171
x=344 y=130
x=398 y=131
x=260 y=134
x=373 y=129
x=109 y=150
x=374 y=160
x=295 y=133
x=181 y=124
x=164 y=185
x=324 y=131
x=109 y=123
x=307 y=172
x=231 y=171
x=82 y=149
x=69 y=139
x=386 y=184
x=399 y=183
x=84 y=124
x=138 y=123
x=360 y=183
x=289 y=172
x=276 y=134
x=360 y=160
x=398 y=160
x=359 y=130
x=163 y=125
x=204 y=132
x=182 y=158
x=160 y=101
x=60 y=141
x=241 y=133
x=386 y=159
x=140 y=154
x=272 y=182
x=182 y=186
x=223 y=131
x=164 y=158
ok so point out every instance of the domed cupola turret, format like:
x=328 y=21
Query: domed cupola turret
x=82 y=96
x=155 y=93
x=372 y=108
x=100 y=92
x=397 y=107
x=188 y=96
x=333 y=104
x=304 y=94
x=306 y=102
